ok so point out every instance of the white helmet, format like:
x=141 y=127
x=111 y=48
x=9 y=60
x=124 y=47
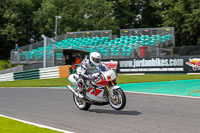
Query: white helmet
x=95 y=58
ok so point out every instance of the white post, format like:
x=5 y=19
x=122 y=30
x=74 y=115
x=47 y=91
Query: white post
x=56 y=18
x=45 y=51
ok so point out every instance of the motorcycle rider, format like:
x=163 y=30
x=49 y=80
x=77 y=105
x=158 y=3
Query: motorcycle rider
x=86 y=66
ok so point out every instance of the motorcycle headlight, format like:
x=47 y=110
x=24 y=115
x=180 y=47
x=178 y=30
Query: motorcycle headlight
x=109 y=77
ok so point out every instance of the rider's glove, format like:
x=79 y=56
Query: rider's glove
x=91 y=77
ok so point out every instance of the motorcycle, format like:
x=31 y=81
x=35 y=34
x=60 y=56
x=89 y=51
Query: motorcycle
x=102 y=90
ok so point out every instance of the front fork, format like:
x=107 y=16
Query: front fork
x=111 y=89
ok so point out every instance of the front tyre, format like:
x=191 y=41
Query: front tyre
x=118 y=101
x=82 y=105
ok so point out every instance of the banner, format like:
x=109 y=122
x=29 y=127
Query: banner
x=185 y=64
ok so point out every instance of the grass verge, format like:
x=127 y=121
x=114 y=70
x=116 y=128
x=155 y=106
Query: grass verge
x=122 y=79
x=13 y=126
x=5 y=64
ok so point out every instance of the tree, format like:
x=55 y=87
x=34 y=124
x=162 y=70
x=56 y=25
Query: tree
x=184 y=16
x=24 y=21
x=16 y=19
x=76 y=16
x=136 y=14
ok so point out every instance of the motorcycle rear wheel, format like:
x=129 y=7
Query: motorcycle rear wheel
x=119 y=100
x=82 y=105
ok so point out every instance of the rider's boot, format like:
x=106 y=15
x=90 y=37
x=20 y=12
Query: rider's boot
x=79 y=89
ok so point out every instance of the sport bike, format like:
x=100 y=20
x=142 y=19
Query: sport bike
x=100 y=91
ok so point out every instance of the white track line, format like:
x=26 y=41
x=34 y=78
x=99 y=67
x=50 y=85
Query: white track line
x=35 y=124
x=132 y=74
x=146 y=93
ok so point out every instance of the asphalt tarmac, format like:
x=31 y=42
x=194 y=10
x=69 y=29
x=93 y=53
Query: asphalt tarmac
x=143 y=113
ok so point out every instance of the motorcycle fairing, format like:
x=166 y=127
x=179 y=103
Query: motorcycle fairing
x=102 y=82
x=109 y=75
x=96 y=95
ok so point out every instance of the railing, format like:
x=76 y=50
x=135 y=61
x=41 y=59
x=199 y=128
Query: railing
x=7 y=77
x=42 y=73
x=29 y=74
x=151 y=31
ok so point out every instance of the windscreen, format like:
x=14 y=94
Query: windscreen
x=103 y=68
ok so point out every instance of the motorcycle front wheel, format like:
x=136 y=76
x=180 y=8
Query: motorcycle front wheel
x=118 y=101
x=82 y=105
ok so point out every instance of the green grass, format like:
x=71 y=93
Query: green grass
x=2 y=64
x=36 y=83
x=5 y=64
x=122 y=79
x=13 y=126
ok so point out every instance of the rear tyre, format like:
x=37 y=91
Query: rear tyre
x=82 y=105
x=119 y=100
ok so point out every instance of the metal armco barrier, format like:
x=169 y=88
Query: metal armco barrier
x=6 y=77
x=50 y=72
x=42 y=73
x=29 y=74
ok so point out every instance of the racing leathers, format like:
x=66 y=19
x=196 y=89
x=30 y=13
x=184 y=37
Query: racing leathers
x=82 y=73
x=85 y=69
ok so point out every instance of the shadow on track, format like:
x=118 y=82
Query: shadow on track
x=115 y=112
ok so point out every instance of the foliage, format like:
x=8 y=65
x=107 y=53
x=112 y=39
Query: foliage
x=5 y=64
x=16 y=17
x=24 y=21
x=136 y=14
x=184 y=16
x=76 y=16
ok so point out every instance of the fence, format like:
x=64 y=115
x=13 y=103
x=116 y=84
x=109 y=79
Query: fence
x=186 y=50
x=34 y=53
x=29 y=74
x=159 y=33
x=51 y=72
x=133 y=43
x=7 y=77
x=42 y=73
x=84 y=34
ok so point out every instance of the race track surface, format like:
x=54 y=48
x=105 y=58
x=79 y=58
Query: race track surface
x=142 y=114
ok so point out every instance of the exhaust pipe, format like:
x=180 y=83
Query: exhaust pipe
x=74 y=92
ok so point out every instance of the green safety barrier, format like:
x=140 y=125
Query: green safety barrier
x=29 y=74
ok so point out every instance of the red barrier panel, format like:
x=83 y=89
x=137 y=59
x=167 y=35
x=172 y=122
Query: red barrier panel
x=143 y=51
